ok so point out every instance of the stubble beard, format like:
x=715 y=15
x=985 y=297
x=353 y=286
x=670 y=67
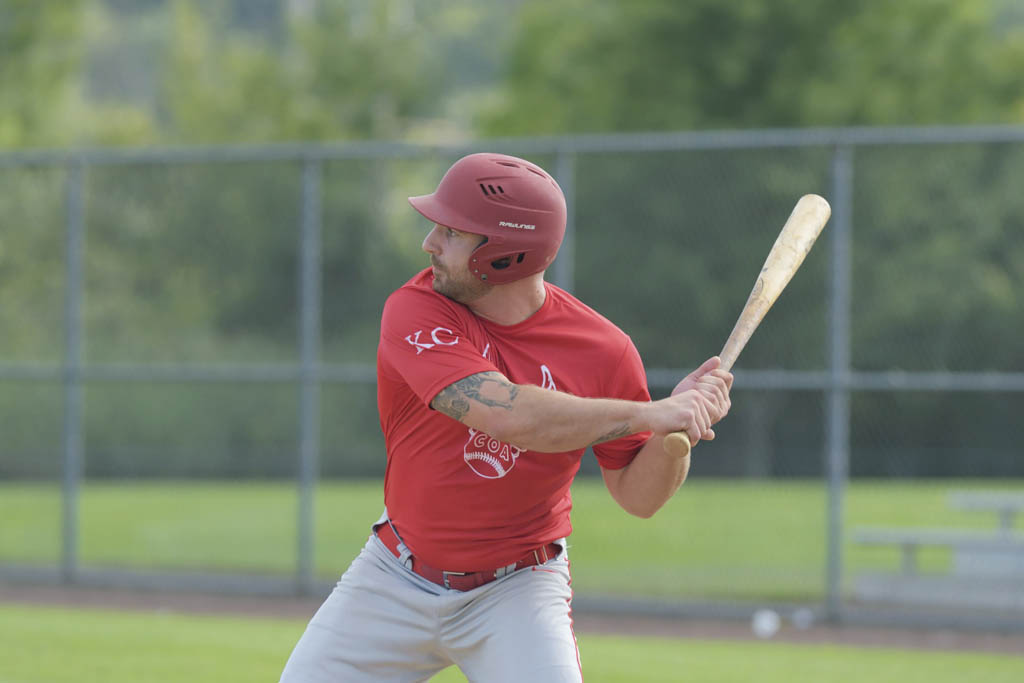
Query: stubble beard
x=463 y=288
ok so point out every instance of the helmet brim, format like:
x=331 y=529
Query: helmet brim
x=433 y=210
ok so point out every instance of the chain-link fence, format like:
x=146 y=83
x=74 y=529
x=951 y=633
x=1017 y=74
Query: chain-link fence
x=188 y=340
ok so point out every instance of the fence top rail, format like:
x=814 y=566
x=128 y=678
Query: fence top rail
x=608 y=142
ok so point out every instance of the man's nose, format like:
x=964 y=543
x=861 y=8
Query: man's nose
x=430 y=242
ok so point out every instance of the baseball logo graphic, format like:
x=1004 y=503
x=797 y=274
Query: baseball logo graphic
x=488 y=457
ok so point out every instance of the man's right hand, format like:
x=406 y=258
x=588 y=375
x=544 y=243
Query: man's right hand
x=697 y=402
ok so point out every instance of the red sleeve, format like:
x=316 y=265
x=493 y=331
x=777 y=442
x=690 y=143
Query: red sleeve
x=629 y=383
x=425 y=341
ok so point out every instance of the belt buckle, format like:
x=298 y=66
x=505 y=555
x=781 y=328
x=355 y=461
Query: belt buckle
x=446 y=574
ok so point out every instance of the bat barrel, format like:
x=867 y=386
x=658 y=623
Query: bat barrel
x=795 y=240
x=791 y=247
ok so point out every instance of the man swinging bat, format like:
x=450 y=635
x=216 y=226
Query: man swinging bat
x=491 y=385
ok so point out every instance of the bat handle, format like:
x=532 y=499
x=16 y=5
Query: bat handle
x=677 y=444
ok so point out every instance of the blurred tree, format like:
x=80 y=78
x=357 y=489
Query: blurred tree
x=41 y=50
x=40 y=55
x=661 y=65
x=344 y=71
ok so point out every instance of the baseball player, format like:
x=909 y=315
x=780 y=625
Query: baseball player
x=491 y=385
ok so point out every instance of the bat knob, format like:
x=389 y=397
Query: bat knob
x=677 y=444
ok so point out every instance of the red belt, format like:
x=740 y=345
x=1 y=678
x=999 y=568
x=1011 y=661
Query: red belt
x=464 y=581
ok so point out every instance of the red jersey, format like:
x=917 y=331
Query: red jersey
x=462 y=500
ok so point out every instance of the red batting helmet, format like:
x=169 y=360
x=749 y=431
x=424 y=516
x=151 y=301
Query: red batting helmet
x=515 y=204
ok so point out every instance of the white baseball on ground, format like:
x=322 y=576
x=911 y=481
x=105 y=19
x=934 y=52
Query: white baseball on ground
x=765 y=623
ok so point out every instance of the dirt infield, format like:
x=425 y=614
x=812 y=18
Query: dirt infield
x=303 y=608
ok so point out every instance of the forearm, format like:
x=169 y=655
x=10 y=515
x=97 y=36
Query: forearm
x=553 y=422
x=649 y=481
x=538 y=419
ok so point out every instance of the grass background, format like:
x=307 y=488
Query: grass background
x=53 y=645
x=741 y=539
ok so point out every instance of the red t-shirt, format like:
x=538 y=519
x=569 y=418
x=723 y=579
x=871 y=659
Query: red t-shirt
x=461 y=500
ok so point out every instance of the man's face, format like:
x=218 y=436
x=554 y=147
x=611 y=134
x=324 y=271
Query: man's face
x=449 y=251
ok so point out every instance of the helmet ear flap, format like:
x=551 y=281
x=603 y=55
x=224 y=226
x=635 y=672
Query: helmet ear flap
x=507 y=261
x=494 y=267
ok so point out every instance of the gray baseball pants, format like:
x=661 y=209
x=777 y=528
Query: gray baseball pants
x=382 y=622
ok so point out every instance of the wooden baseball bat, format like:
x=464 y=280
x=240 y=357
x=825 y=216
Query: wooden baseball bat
x=791 y=246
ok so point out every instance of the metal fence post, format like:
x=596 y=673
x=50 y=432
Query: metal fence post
x=837 y=427
x=309 y=383
x=565 y=264
x=71 y=374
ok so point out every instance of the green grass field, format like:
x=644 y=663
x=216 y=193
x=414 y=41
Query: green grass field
x=716 y=538
x=50 y=645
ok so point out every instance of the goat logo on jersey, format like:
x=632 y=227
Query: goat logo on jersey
x=489 y=457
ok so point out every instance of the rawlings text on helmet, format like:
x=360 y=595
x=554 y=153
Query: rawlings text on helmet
x=517 y=226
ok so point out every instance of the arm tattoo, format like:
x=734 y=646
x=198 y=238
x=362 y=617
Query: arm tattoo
x=454 y=399
x=450 y=403
x=617 y=433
